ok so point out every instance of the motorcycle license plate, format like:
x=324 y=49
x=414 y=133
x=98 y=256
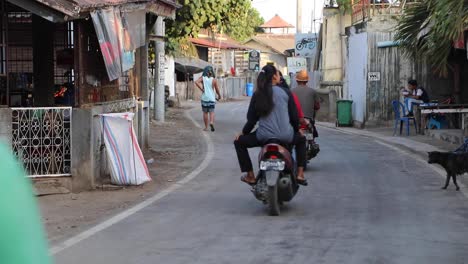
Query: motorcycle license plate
x=272 y=165
x=309 y=136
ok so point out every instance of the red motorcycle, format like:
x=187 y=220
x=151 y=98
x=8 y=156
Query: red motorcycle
x=276 y=181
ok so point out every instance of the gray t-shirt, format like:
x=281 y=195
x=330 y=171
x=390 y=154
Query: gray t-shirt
x=277 y=123
x=307 y=98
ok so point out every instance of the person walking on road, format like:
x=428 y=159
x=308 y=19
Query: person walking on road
x=208 y=85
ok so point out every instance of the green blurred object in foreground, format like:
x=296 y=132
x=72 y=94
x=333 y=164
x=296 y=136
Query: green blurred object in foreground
x=22 y=239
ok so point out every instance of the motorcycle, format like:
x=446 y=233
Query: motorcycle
x=276 y=180
x=312 y=148
x=307 y=42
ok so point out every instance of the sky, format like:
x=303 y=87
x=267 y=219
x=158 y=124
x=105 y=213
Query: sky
x=287 y=10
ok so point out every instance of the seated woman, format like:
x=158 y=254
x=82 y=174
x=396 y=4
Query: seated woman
x=274 y=109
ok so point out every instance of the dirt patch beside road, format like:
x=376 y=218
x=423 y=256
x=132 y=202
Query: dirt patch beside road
x=177 y=148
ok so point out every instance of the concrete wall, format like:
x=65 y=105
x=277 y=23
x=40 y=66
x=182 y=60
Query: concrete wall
x=333 y=43
x=143 y=121
x=280 y=61
x=82 y=149
x=89 y=161
x=5 y=126
x=328 y=95
x=229 y=88
x=182 y=91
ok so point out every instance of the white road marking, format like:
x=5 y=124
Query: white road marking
x=121 y=216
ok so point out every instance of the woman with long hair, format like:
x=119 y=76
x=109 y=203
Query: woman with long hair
x=274 y=109
x=208 y=86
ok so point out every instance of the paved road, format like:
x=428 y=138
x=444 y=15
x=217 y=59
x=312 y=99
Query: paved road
x=365 y=203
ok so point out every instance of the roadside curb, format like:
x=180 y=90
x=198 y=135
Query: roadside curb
x=421 y=151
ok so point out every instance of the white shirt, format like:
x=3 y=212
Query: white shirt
x=417 y=92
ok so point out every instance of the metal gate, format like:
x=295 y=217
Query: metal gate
x=41 y=140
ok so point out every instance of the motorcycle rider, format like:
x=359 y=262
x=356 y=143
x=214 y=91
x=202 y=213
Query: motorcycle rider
x=274 y=109
x=307 y=96
x=302 y=121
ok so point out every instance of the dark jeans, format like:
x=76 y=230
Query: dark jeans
x=250 y=141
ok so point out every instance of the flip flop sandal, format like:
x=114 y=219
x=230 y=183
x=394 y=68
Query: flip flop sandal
x=302 y=182
x=243 y=178
x=212 y=128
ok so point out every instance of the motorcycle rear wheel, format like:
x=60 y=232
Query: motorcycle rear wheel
x=299 y=46
x=273 y=203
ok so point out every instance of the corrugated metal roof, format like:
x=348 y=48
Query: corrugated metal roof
x=190 y=65
x=277 y=42
x=75 y=7
x=217 y=43
x=277 y=22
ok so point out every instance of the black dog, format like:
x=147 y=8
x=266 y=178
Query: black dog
x=453 y=163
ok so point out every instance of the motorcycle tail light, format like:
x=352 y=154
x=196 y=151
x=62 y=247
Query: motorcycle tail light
x=273 y=157
x=272 y=148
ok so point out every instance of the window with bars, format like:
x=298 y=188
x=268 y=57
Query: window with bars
x=16 y=53
x=3 y=58
x=64 y=54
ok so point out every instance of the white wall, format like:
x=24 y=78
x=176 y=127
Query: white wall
x=279 y=61
x=170 y=75
x=357 y=74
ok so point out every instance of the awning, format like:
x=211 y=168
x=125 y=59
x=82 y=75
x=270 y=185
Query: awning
x=190 y=65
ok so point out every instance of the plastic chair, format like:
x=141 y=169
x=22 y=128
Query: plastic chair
x=437 y=122
x=399 y=108
x=463 y=148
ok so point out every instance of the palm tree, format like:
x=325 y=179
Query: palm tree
x=428 y=29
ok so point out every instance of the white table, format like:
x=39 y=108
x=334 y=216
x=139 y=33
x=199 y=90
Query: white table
x=443 y=109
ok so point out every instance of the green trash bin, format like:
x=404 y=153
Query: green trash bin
x=344 y=115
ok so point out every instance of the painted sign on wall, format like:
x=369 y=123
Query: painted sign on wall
x=254 y=60
x=306 y=44
x=373 y=76
x=296 y=64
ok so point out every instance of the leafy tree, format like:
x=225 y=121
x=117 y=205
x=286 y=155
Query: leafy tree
x=344 y=5
x=428 y=29
x=242 y=20
x=237 y=18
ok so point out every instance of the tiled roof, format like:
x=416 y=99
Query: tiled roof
x=277 y=22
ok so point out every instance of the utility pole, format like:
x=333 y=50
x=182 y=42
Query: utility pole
x=299 y=16
x=159 y=66
x=312 y=23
